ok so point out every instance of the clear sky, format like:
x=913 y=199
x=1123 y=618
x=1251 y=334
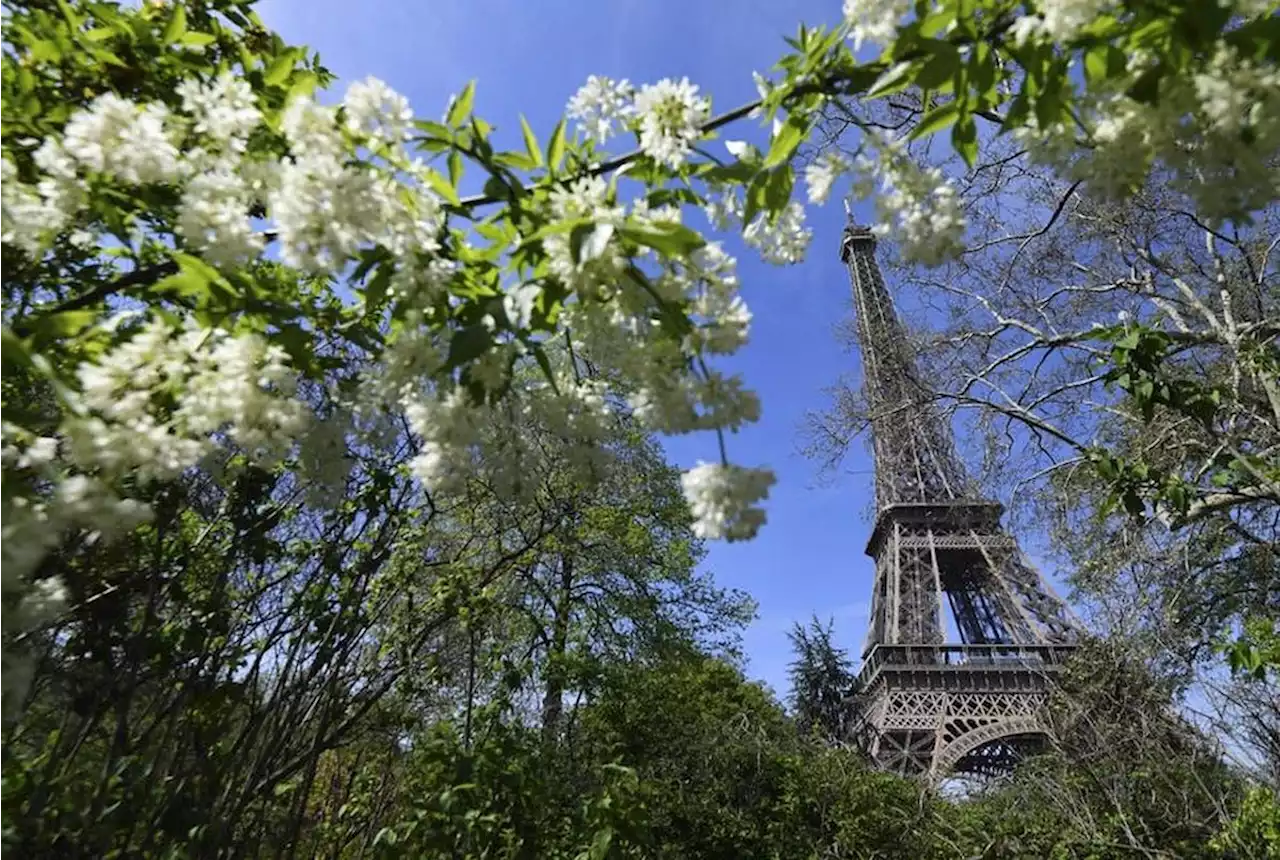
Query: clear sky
x=529 y=56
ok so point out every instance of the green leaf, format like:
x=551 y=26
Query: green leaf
x=468 y=344
x=530 y=142
x=755 y=196
x=177 y=25
x=62 y=324
x=278 y=72
x=442 y=186
x=777 y=191
x=667 y=239
x=461 y=107
x=789 y=137
x=940 y=68
x=895 y=79
x=935 y=120
x=455 y=167
x=199 y=40
x=600 y=843
x=964 y=138
x=98 y=34
x=555 y=146
x=44 y=51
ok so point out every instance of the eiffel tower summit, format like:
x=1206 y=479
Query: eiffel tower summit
x=933 y=698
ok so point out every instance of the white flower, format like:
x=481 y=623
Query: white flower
x=916 y=207
x=45 y=601
x=1026 y=27
x=723 y=209
x=822 y=173
x=1064 y=19
x=245 y=387
x=783 y=242
x=873 y=20
x=518 y=304
x=447 y=428
x=214 y=218
x=224 y=109
x=372 y=108
x=670 y=115
x=598 y=259
x=326 y=210
x=238 y=385
x=123 y=140
x=599 y=104
x=28 y=218
x=323 y=459
x=311 y=129
x=722 y=499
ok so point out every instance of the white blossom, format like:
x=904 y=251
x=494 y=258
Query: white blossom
x=311 y=129
x=599 y=258
x=873 y=20
x=783 y=242
x=245 y=387
x=518 y=304
x=722 y=499
x=214 y=218
x=723 y=208
x=1064 y=19
x=600 y=103
x=822 y=173
x=224 y=109
x=123 y=140
x=324 y=461
x=447 y=429
x=238 y=385
x=372 y=108
x=325 y=211
x=28 y=218
x=670 y=116
x=917 y=207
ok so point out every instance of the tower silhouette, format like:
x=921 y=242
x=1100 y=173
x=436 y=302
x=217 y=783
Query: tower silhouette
x=931 y=701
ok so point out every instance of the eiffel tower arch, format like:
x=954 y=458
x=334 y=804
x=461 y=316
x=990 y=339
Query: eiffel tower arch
x=926 y=706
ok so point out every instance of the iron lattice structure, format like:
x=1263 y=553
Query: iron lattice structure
x=925 y=705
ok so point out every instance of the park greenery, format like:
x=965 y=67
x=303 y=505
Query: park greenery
x=335 y=518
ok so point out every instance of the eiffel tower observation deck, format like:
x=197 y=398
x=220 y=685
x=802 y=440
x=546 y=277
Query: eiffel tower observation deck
x=930 y=702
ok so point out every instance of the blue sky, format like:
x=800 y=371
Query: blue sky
x=529 y=57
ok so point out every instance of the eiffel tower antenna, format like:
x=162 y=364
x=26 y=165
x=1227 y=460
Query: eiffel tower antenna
x=929 y=702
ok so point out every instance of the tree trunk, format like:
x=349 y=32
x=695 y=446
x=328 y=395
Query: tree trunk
x=553 y=696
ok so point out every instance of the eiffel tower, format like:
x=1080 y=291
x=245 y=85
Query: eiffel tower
x=928 y=702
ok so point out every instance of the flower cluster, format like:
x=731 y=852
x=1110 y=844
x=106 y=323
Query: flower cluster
x=124 y=141
x=1218 y=131
x=873 y=20
x=821 y=174
x=917 y=207
x=599 y=104
x=668 y=116
x=782 y=241
x=238 y=385
x=723 y=499
x=375 y=110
